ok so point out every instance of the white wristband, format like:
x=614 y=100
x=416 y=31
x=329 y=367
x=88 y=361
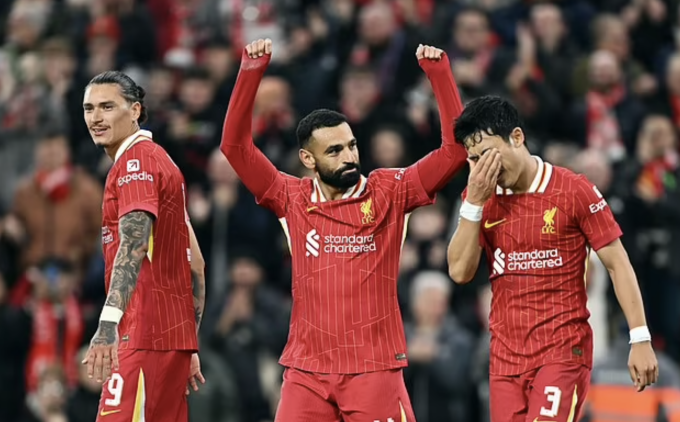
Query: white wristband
x=640 y=335
x=471 y=212
x=111 y=314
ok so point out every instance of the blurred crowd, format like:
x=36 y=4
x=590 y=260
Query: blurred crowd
x=596 y=81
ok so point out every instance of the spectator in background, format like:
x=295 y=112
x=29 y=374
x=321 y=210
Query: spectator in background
x=610 y=117
x=48 y=402
x=83 y=402
x=249 y=325
x=58 y=206
x=440 y=352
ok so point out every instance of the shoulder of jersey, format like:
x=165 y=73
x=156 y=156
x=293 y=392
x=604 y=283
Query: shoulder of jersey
x=385 y=177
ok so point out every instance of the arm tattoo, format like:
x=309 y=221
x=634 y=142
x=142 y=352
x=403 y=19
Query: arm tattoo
x=134 y=230
x=198 y=285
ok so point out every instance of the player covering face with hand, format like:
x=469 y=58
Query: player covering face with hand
x=144 y=350
x=346 y=347
x=537 y=224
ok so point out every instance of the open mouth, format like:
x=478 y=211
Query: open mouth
x=98 y=131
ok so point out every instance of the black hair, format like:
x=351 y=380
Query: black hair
x=132 y=92
x=317 y=119
x=489 y=114
x=196 y=74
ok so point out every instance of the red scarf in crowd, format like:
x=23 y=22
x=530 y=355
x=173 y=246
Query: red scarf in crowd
x=654 y=173
x=45 y=341
x=604 y=133
x=56 y=184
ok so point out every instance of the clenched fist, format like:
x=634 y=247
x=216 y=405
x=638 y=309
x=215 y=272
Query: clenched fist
x=259 y=48
x=429 y=52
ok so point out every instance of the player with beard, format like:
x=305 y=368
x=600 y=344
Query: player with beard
x=346 y=347
x=154 y=276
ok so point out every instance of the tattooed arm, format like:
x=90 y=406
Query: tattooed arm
x=134 y=229
x=197 y=276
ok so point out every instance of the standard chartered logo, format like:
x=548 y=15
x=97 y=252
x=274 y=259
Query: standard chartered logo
x=354 y=244
x=526 y=261
x=312 y=243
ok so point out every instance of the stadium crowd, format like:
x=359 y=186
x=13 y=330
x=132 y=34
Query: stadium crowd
x=597 y=83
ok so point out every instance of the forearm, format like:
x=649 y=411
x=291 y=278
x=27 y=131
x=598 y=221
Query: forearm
x=251 y=165
x=437 y=168
x=628 y=293
x=134 y=231
x=464 y=251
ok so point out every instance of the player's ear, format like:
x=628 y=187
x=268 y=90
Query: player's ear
x=516 y=137
x=307 y=159
x=136 y=110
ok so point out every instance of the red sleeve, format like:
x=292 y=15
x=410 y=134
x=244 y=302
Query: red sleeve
x=138 y=179
x=594 y=217
x=254 y=169
x=437 y=168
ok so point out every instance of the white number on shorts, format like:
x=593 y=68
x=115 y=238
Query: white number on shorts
x=115 y=387
x=388 y=420
x=554 y=396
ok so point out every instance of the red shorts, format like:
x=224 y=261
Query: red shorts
x=373 y=396
x=554 y=392
x=149 y=386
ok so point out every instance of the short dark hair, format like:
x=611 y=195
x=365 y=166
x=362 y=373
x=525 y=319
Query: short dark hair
x=132 y=92
x=489 y=114
x=317 y=119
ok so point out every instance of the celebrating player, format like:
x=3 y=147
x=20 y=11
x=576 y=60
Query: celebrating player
x=154 y=269
x=536 y=223
x=346 y=347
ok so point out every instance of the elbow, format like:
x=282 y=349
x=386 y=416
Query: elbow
x=460 y=274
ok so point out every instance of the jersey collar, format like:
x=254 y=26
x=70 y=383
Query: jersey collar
x=140 y=135
x=353 y=192
x=541 y=180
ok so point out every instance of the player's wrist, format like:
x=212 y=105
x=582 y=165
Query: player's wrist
x=111 y=314
x=471 y=211
x=640 y=335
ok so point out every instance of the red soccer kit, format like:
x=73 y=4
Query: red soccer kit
x=537 y=245
x=345 y=318
x=158 y=331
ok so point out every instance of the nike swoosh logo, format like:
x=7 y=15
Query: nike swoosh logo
x=310 y=209
x=488 y=225
x=108 y=412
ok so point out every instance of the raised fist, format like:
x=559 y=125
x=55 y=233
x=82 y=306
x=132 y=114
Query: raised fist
x=259 y=48
x=429 y=52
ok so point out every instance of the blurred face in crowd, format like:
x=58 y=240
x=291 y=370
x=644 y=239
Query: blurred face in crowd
x=359 y=89
x=52 y=154
x=220 y=171
x=387 y=147
x=595 y=166
x=658 y=136
x=273 y=96
x=376 y=24
x=547 y=23
x=51 y=392
x=219 y=62
x=673 y=74
x=245 y=272
x=431 y=305
x=196 y=94
x=613 y=37
x=604 y=71
x=160 y=85
x=471 y=32
x=513 y=154
x=108 y=116
x=333 y=154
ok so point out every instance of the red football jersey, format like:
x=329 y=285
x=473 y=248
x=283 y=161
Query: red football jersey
x=346 y=316
x=160 y=315
x=537 y=246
